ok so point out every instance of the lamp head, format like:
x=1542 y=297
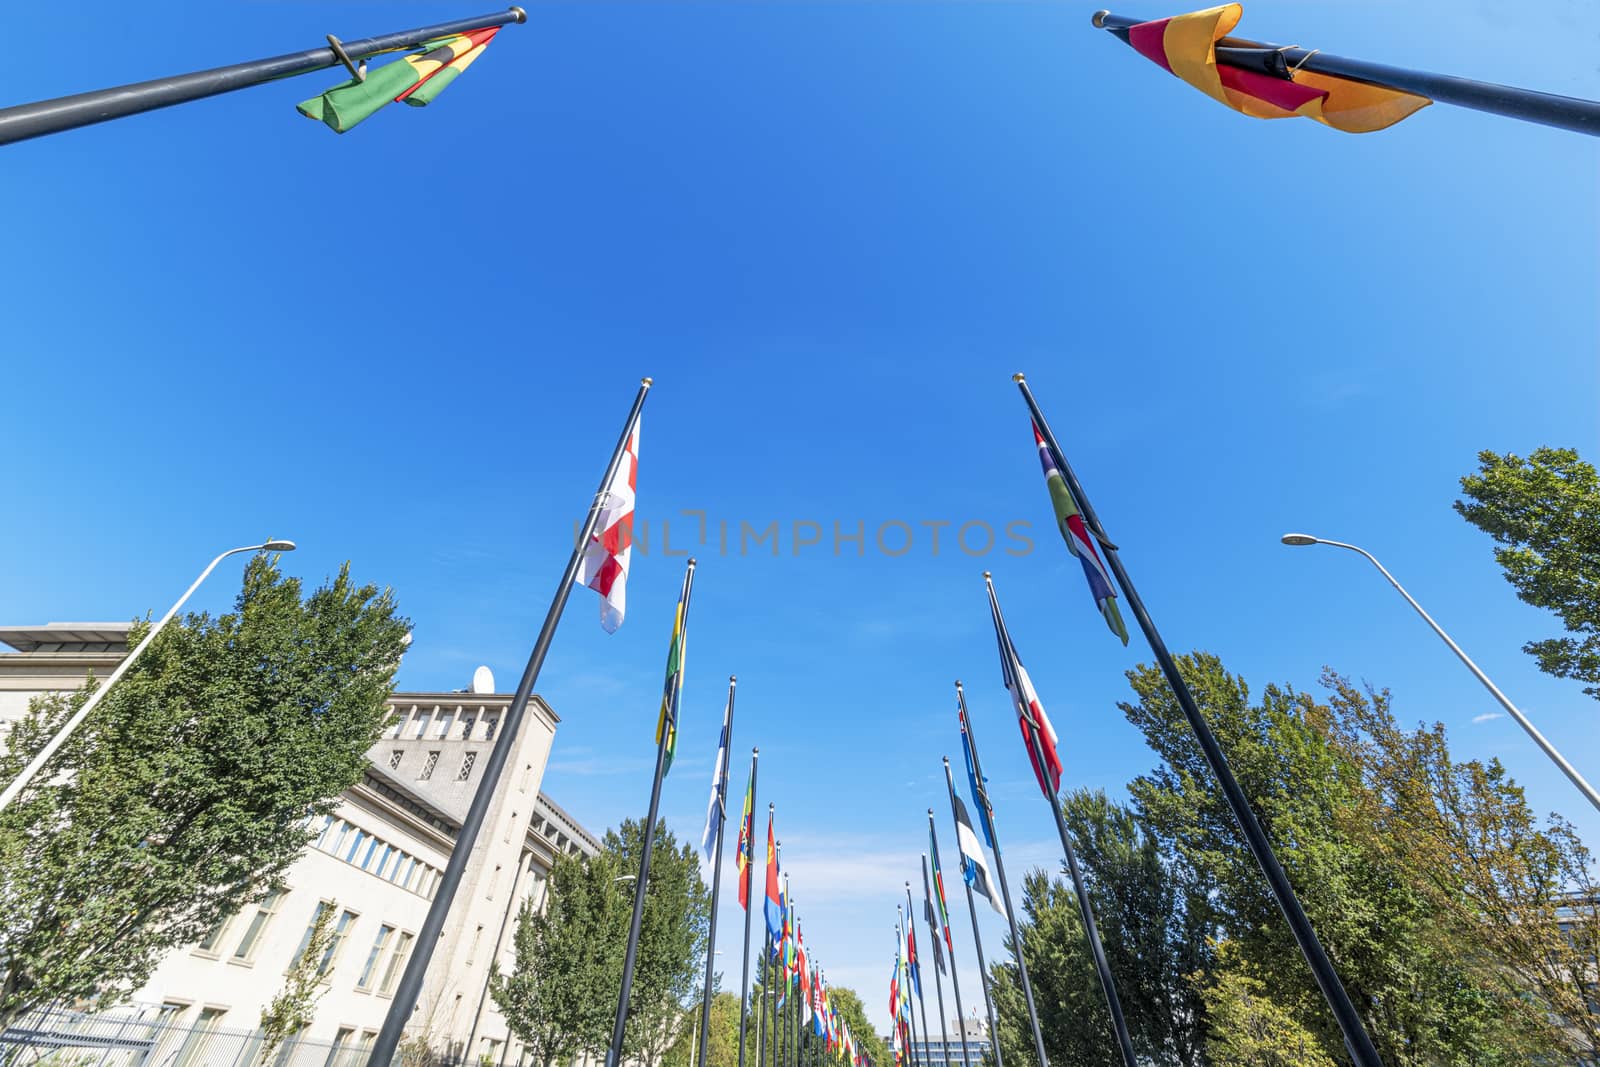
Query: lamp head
x=1298 y=539
x=278 y=546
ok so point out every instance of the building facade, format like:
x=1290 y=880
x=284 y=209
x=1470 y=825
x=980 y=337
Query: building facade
x=375 y=863
x=951 y=1053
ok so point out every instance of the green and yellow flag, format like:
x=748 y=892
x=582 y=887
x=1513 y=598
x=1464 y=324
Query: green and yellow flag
x=667 y=724
x=417 y=80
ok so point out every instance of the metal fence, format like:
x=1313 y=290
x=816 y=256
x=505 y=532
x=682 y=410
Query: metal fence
x=144 y=1036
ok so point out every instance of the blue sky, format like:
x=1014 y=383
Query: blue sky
x=830 y=231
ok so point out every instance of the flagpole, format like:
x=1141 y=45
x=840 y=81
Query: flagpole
x=749 y=907
x=977 y=938
x=409 y=991
x=1108 y=984
x=911 y=1017
x=43 y=117
x=762 y=1037
x=716 y=874
x=949 y=943
x=774 y=1037
x=1358 y=1041
x=1546 y=109
x=1005 y=889
x=922 y=1002
x=938 y=986
x=667 y=727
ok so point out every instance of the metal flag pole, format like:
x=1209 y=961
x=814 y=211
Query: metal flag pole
x=774 y=1042
x=949 y=942
x=749 y=831
x=911 y=1018
x=762 y=1037
x=933 y=933
x=716 y=877
x=1546 y=109
x=1000 y=875
x=410 y=988
x=1108 y=984
x=786 y=1058
x=1358 y=1041
x=922 y=1002
x=25 y=121
x=667 y=728
x=977 y=939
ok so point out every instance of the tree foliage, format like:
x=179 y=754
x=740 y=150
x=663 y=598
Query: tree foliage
x=1447 y=909
x=848 y=1006
x=294 y=1007
x=190 y=789
x=1544 y=512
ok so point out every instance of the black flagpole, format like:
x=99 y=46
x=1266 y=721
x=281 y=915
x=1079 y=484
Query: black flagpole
x=749 y=906
x=922 y=1003
x=1357 y=1041
x=911 y=1016
x=716 y=877
x=933 y=932
x=410 y=988
x=1000 y=874
x=950 y=944
x=1546 y=109
x=977 y=939
x=1097 y=950
x=24 y=121
x=763 y=1036
x=668 y=727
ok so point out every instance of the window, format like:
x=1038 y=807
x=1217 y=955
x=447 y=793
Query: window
x=402 y=869
x=383 y=864
x=338 y=1054
x=193 y=1052
x=361 y=835
x=466 y=766
x=422 y=724
x=372 y=850
x=265 y=910
x=341 y=930
x=428 y=765
x=397 y=962
x=489 y=724
x=468 y=721
x=472 y=954
x=446 y=720
x=208 y=944
x=369 y=970
x=336 y=838
x=327 y=826
x=395 y=757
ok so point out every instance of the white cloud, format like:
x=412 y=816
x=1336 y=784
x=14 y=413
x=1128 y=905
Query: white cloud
x=1488 y=716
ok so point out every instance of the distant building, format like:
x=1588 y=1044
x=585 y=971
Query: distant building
x=938 y=1053
x=376 y=861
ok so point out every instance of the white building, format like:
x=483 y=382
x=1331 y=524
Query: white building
x=377 y=862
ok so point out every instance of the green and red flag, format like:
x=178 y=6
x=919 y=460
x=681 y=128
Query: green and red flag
x=747 y=837
x=416 y=80
x=1186 y=46
x=938 y=888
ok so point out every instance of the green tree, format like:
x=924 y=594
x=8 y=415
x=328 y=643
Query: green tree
x=1249 y=1028
x=672 y=938
x=1414 y=976
x=722 y=1048
x=294 y=1008
x=1544 y=512
x=191 y=788
x=847 y=1005
x=561 y=996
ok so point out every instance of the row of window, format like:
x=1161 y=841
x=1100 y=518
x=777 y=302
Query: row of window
x=385 y=960
x=430 y=763
x=199 y=1045
x=345 y=840
x=467 y=726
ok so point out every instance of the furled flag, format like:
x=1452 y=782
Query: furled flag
x=938 y=888
x=1186 y=45
x=1079 y=543
x=931 y=917
x=747 y=837
x=976 y=781
x=716 y=808
x=1037 y=733
x=416 y=80
x=605 y=558
x=973 y=869
x=803 y=970
x=774 y=903
x=913 y=964
x=672 y=688
x=894 y=985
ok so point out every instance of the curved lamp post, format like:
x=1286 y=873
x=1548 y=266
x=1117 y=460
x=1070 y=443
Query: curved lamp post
x=82 y=713
x=1557 y=758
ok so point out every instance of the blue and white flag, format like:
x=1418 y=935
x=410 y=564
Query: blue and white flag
x=716 y=808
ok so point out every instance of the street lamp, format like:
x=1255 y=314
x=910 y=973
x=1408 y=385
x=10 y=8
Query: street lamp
x=82 y=713
x=1568 y=769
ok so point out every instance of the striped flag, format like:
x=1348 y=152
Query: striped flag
x=976 y=781
x=747 y=838
x=932 y=918
x=773 y=908
x=1186 y=46
x=1079 y=543
x=913 y=965
x=672 y=689
x=1037 y=733
x=938 y=886
x=416 y=80
x=973 y=869
x=605 y=557
x=716 y=809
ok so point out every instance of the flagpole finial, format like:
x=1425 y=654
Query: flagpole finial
x=986 y=575
x=947 y=762
x=647 y=382
x=522 y=16
x=1099 y=20
x=733 y=679
x=1018 y=377
x=691 y=563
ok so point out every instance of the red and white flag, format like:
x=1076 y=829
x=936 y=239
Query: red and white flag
x=1037 y=732
x=605 y=557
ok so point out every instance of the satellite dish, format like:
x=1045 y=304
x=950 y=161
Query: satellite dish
x=483 y=680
